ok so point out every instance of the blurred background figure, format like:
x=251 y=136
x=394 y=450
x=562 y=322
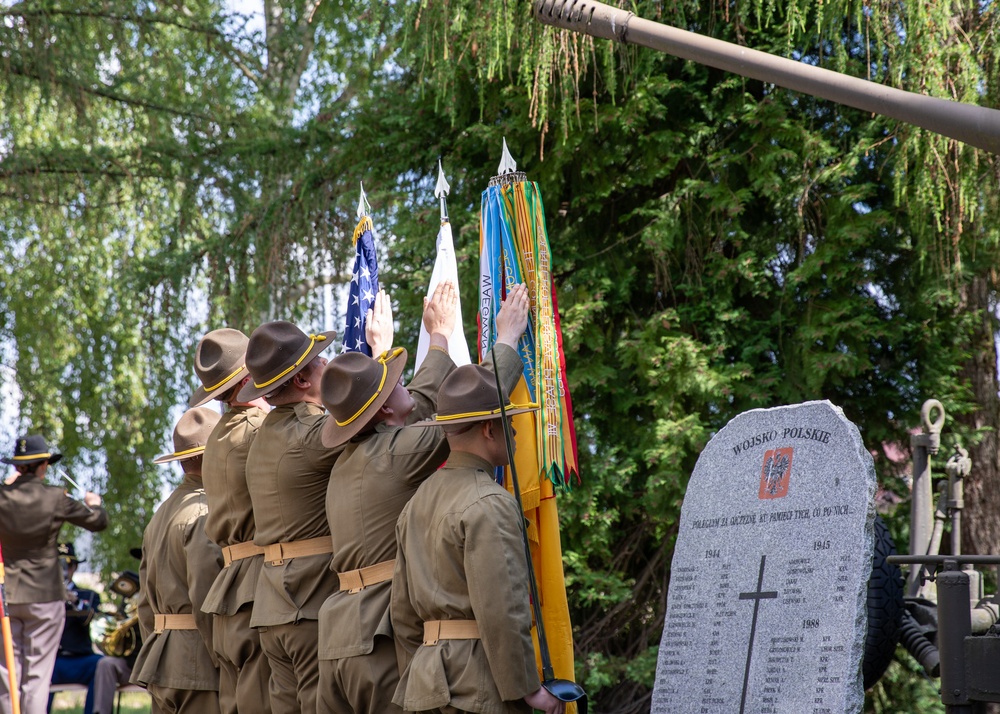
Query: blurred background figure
x=77 y=662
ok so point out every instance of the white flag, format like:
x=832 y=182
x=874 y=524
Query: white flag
x=445 y=268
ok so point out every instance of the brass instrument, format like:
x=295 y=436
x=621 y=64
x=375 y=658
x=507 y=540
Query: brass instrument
x=118 y=635
x=121 y=640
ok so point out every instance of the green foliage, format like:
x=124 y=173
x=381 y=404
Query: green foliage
x=719 y=244
x=904 y=688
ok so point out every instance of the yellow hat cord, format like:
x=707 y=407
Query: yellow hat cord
x=26 y=457
x=313 y=339
x=188 y=452
x=226 y=379
x=489 y=412
x=383 y=360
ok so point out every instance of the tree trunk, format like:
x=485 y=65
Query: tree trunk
x=981 y=519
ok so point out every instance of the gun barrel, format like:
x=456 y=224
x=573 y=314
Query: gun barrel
x=972 y=124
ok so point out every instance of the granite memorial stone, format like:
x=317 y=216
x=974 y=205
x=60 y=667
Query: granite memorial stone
x=766 y=610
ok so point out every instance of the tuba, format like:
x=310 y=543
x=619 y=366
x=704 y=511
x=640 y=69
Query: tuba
x=119 y=633
x=121 y=639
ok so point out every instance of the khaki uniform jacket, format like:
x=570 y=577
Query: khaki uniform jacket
x=179 y=565
x=287 y=474
x=230 y=510
x=370 y=483
x=31 y=515
x=461 y=557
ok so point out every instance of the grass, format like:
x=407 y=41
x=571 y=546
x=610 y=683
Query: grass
x=72 y=703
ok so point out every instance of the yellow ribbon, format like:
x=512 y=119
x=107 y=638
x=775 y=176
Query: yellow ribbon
x=32 y=456
x=382 y=360
x=313 y=339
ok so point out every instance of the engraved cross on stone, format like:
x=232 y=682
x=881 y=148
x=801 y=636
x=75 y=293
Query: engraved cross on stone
x=756 y=596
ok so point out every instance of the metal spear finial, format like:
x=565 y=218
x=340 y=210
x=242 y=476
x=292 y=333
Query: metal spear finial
x=507 y=172
x=364 y=208
x=441 y=190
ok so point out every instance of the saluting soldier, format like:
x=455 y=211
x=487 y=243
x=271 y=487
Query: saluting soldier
x=460 y=606
x=383 y=463
x=31 y=514
x=220 y=363
x=287 y=474
x=179 y=564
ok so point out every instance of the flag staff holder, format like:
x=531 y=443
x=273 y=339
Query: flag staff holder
x=562 y=689
x=8 y=646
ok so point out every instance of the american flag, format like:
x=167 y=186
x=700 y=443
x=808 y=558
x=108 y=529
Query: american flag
x=364 y=287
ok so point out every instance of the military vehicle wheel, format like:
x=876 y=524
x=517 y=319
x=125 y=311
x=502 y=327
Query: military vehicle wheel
x=885 y=607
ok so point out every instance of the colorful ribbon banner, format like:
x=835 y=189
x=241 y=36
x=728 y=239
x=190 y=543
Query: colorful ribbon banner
x=514 y=248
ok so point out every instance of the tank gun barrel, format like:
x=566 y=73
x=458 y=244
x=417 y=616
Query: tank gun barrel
x=972 y=124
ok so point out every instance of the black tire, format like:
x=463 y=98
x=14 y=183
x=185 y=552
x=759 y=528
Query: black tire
x=885 y=608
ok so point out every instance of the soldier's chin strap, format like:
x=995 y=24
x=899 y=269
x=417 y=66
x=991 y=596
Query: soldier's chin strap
x=562 y=689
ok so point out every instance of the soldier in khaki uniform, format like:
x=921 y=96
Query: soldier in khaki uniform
x=179 y=564
x=288 y=469
x=382 y=465
x=220 y=363
x=31 y=515
x=460 y=607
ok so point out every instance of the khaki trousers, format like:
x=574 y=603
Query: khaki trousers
x=36 y=629
x=244 y=672
x=362 y=685
x=111 y=672
x=183 y=701
x=293 y=654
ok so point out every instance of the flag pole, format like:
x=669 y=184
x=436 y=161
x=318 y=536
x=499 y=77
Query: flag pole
x=8 y=645
x=562 y=689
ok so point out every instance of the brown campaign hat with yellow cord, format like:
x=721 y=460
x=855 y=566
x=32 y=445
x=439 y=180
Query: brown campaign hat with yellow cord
x=220 y=363
x=354 y=387
x=277 y=352
x=191 y=434
x=470 y=394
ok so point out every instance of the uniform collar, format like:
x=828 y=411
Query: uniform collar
x=465 y=460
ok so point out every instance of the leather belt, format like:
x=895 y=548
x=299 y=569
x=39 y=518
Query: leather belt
x=278 y=553
x=357 y=580
x=173 y=622
x=239 y=551
x=435 y=630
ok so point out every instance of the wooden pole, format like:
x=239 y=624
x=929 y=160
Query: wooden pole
x=8 y=646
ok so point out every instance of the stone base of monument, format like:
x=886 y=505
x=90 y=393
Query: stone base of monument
x=767 y=610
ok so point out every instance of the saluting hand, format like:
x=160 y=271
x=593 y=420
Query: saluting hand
x=439 y=311
x=92 y=499
x=512 y=320
x=378 y=324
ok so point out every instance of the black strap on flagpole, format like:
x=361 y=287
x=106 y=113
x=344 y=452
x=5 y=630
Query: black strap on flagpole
x=562 y=689
x=543 y=644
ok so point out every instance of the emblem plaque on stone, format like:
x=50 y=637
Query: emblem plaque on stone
x=766 y=610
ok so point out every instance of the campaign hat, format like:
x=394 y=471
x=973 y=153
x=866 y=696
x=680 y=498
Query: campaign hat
x=220 y=363
x=31 y=449
x=68 y=553
x=277 y=352
x=469 y=394
x=191 y=434
x=353 y=388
